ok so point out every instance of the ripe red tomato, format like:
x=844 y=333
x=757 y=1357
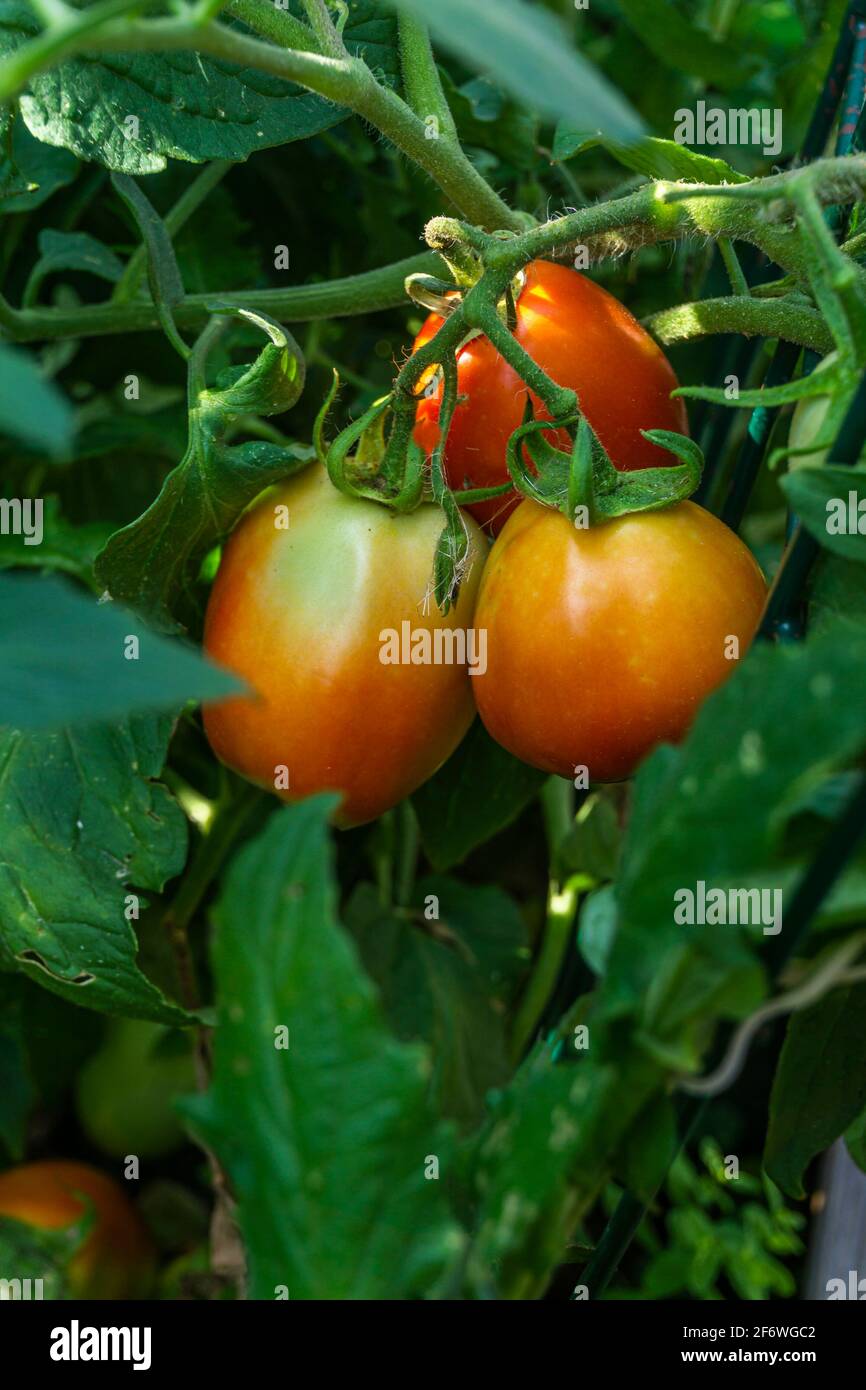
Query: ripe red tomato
x=587 y=342
x=302 y=614
x=603 y=642
x=116 y=1259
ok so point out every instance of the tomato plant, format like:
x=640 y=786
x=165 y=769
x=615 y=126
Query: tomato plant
x=432 y=635
x=587 y=341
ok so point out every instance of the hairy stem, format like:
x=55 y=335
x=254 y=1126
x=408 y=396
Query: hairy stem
x=765 y=318
x=421 y=78
x=343 y=298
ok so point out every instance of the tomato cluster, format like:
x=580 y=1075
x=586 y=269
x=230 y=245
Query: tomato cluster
x=593 y=645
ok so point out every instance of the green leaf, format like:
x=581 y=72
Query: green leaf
x=596 y=928
x=820 y=1084
x=657 y=159
x=76 y=251
x=186 y=105
x=30 y=172
x=478 y=792
x=333 y=1131
x=591 y=847
x=66 y=660
x=152 y=564
x=64 y=546
x=528 y=53
x=486 y=121
x=547 y=1149
x=831 y=503
x=434 y=986
x=32 y=410
x=27 y=1252
x=713 y=809
x=84 y=825
x=678 y=43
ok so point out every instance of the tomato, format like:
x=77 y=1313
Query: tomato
x=304 y=615
x=587 y=342
x=116 y=1259
x=603 y=642
x=124 y=1092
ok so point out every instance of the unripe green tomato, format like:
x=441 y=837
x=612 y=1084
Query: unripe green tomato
x=806 y=424
x=125 y=1090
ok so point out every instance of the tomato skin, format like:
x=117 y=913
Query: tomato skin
x=117 y=1257
x=587 y=342
x=602 y=643
x=298 y=614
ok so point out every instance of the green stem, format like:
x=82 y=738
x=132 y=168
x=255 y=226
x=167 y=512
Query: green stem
x=739 y=283
x=366 y=293
x=231 y=817
x=764 y=318
x=320 y=22
x=557 y=800
x=191 y=198
x=406 y=845
x=281 y=27
x=421 y=81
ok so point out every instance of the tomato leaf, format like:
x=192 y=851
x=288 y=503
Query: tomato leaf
x=332 y=1130
x=71 y=549
x=831 y=503
x=67 y=660
x=712 y=811
x=525 y=49
x=436 y=982
x=30 y=172
x=134 y=113
x=153 y=563
x=479 y=791
x=820 y=1084
x=97 y=829
x=75 y=251
x=676 y=42
x=657 y=159
x=32 y=409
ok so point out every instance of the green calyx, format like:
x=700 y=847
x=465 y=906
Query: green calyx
x=584 y=485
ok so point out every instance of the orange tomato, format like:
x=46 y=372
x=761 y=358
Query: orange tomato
x=301 y=614
x=603 y=642
x=587 y=342
x=116 y=1259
